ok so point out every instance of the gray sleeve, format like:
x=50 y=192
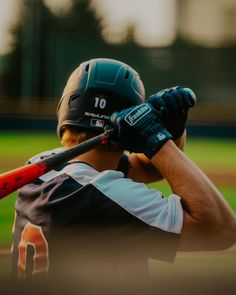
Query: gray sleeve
x=146 y=204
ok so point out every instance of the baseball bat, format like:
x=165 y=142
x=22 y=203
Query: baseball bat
x=15 y=179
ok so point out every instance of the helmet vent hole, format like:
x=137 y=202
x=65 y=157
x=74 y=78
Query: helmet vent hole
x=73 y=97
x=87 y=68
x=127 y=75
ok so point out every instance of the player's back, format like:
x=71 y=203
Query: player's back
x=84 y=226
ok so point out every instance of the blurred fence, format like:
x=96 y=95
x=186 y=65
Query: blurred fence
x=205 y=119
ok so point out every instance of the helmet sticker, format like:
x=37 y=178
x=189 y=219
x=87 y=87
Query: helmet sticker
x=97 y=123
x=99 y=116
x=100 y=102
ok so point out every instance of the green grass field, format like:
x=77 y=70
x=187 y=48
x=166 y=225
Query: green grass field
x=16 y=147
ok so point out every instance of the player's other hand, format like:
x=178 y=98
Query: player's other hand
x=140 y=129
x=174 y=104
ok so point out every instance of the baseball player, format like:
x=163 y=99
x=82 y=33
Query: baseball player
x=93 y=218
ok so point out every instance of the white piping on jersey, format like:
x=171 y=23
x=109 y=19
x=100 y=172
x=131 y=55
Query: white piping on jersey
x=85 y=173
x=38 y=157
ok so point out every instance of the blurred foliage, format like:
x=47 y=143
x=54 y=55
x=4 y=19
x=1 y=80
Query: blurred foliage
x=48 y=47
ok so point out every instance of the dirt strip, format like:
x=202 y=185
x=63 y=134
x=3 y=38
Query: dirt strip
x=222 y=177
x=5 y=252
x=228 y=252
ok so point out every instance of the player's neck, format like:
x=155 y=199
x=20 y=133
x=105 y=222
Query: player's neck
x=101 y=160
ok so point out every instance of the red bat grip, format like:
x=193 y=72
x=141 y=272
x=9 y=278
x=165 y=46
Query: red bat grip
x=14 y=179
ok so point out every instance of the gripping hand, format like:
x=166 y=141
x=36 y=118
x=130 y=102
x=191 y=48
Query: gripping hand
x=174 y=104
x=140 y=129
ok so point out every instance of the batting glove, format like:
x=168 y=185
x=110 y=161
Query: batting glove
x=174 y=104
x=139 y=129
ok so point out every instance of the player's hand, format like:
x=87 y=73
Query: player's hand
x=140 y=129
x=174 y=104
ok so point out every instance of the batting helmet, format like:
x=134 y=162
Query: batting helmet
x=95 y=90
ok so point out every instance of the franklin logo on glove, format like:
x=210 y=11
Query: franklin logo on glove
x=161 y=136
x=137 y=114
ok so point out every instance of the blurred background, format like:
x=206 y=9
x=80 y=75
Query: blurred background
x=169 y=42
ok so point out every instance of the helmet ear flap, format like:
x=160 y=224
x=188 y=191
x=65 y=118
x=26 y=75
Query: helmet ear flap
x=95 y=90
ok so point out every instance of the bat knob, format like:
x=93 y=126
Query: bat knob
x=192 y=96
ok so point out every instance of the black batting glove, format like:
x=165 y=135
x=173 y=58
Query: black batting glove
x=174 y=104
x=140 y=129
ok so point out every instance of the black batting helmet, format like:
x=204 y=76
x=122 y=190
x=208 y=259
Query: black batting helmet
x=95 y=90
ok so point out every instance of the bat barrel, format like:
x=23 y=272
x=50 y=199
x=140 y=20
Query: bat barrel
x=14 y=179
